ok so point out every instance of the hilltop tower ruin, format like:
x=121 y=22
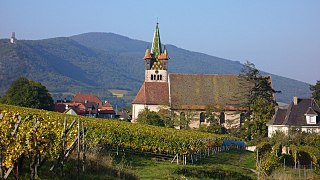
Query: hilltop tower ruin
x=13 y=39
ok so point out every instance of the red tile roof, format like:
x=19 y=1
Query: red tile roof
x=79 y=108
x=109 y=108
x=87 y=97
x=106 y=111
x=153 y=93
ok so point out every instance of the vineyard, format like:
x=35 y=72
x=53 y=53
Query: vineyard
x=39 y=135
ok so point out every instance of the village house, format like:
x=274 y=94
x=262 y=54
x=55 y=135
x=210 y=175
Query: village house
x=187 y=95
x=86 y=105
x=302 y=114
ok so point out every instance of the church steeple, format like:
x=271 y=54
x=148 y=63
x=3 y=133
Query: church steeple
x=156 y=43
x=156 y=60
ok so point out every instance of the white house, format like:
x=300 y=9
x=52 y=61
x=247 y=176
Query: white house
x=301 y=114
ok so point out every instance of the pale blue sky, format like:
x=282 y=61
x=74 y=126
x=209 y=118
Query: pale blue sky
x=278 y=36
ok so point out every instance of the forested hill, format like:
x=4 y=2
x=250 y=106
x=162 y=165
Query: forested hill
x=98 y=62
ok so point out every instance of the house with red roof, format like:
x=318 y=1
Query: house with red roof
x=77 y=108
x=302 y=114
x=86 y=105
x=185 y=94
x=83 y=98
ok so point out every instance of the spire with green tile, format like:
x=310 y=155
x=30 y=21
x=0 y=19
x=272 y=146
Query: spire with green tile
x=156 y=43
x=156 y=60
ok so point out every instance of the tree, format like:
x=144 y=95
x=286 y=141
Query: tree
x=259 y=101
x=28 y=93
x=150 y=117
x=165 y=115
x=256 y=86
x=261 y=112
x=184 y=118
x=214 y=120
x=316 y=91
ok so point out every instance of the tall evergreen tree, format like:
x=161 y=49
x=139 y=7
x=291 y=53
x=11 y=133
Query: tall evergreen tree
x=259 y=101
x=255 y=84
x=316 y=92
x=28 y=93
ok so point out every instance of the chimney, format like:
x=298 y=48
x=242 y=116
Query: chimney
x=295 y=100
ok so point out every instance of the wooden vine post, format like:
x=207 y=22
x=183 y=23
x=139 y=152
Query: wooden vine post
x=1 y=172
x=83 y=148
x=35 y=158
x=13 y=133
x=64 y=137
x=78 y=150
x=76 y=144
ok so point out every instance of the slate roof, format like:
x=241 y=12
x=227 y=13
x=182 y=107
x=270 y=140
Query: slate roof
x=87 y=97
x=310 y=111
x=199 y=91
x=295 y=114
x=278 y=117
x=153 y=93
x=91 y=107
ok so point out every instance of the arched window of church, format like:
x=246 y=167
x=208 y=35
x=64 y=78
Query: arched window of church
x=160 y=76
x=182 y=120
x=202 y=118
x=242 y=119
x=222 y=118
x=151 y=76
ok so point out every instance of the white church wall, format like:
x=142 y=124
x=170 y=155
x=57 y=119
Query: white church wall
x=137 y=108
x=232 y=118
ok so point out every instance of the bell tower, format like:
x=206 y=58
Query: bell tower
x=156 y=60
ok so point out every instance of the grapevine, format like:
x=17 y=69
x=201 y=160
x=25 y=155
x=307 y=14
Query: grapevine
x=40 y=132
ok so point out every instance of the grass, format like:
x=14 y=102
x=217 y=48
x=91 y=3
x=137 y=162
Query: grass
x=290 y=173
x=233 y=164
x=97 y=167
x=238 y=158
x=224 y=164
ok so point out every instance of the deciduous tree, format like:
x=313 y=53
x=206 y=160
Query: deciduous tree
x=28 y=93
x=214 y=120
x=150 y=117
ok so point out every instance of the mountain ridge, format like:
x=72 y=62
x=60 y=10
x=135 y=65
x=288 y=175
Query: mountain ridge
x=98 y=62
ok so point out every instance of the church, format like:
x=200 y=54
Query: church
x=187 y=94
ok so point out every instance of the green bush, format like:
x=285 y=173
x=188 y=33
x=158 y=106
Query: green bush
x=271 y=163
x=150 y=117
